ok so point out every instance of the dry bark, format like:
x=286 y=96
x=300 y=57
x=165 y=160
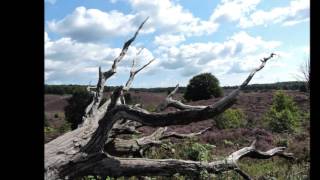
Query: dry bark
x=137 y=147
x=81 y=152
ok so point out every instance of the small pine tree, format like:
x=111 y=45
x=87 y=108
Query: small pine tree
x=231 y=118
x=283 y=115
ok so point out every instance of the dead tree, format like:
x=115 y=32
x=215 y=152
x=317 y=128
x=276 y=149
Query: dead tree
x=83 y=151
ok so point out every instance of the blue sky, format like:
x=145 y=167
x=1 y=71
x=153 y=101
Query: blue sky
x=186 y=37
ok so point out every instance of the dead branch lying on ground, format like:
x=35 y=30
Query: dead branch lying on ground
x=82 y=151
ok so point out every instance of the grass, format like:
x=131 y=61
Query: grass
x=276 y=167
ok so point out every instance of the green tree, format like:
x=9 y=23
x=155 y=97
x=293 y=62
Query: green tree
x=76 y=107
x=203 y=86
x=231 y=118
x=283 y=115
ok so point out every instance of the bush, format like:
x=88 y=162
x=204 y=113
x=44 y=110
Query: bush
x=282 y=142
x=283 y=115
x=203 y=86
x=303 y=88
x=65 y=127
x=127 y=98
x=231 y=118
x=56 y=115
x=76 y=107
x=198 y=152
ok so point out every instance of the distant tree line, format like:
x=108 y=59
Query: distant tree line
x=71 y=89
x=292 y=85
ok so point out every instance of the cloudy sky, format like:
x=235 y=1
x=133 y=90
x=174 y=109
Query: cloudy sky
x=186 y=37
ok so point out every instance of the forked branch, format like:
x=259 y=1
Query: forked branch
x=92 y=108
x=162 y=119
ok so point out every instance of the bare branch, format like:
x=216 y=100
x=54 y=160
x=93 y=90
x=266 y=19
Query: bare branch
x=133 y=73
x=224 y=101
x=170 y=102
x=162 y=119
x=188 y=135
x=252 y=152
x=123 y=51
x=173 y=92
x=145 y=66
x=92 y=108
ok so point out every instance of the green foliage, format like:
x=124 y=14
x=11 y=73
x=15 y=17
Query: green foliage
x=228 y=143
x=197 y=152
x=204 y=174
x=283 y=142
x=65 y=127
x=303 y=88
x=127 y=98
x=49 y=130
x=203 y=86
x=278 y=168
x=283 y=115
x=151 y=108
x=231 y=118
x=76 y=107
x=189 y=150
x=291 y=85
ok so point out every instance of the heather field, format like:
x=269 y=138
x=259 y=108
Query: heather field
x=253 y=104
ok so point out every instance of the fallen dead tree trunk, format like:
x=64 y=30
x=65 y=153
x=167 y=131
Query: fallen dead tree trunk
x=82 y=151
x=137 y=147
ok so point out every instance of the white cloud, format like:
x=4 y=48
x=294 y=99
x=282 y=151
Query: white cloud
x=245 y=12
x=233 y=10
x=93 y=25
x=46 y=37
x=168 y=40
x=69 y=61
x=169 y=17
x=306 y=50
x=198 y=57
x=296 y=12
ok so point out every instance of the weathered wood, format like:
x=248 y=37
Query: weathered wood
x=137 y=147
x=81 y=151
x=65 y=148
x=103 y=164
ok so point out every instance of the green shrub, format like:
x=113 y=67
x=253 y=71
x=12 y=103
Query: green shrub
x=76 y=107
x=56 y=115
x=203 y=86
x=231 y=118
x=188 y=150
x=65 y=127
x=49 y=129
x=283 y=115
x=127 y=98
x=282 y=143
x=151 y=108
x=193 y=150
